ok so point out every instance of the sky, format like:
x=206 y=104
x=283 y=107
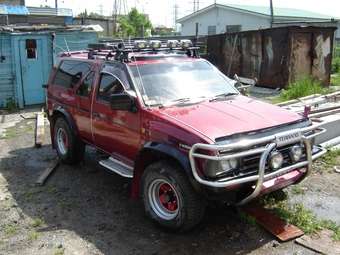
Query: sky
x=161 y=12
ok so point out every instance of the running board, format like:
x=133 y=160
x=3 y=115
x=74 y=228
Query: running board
x=117 y=167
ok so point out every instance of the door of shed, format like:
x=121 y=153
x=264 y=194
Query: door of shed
x=32 y=71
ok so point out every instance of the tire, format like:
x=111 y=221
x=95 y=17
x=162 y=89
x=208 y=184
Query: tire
x=169 y=198
x=69 y=148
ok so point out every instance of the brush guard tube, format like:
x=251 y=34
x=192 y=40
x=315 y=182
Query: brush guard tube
x=271 y=142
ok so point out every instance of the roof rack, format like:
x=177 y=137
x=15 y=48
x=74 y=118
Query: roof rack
x=120 y=51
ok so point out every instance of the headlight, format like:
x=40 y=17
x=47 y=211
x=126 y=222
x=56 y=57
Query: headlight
x=215 y=168
x=296 y=153
x=276 y=160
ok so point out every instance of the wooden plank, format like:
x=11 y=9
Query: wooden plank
x=272 y=223
x=48 y=171
x=39 y=129
x=323 y=244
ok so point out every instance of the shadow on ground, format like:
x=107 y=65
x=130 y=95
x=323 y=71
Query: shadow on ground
x=89 y=210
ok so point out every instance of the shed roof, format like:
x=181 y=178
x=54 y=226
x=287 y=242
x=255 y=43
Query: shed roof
x=263 y=11
x=23 y=10
x=13 y=9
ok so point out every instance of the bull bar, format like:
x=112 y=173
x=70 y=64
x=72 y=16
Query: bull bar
x=272 y=142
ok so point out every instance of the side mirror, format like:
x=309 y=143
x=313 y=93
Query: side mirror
x=123 y=102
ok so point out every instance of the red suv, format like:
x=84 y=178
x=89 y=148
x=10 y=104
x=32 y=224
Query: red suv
x=176 y=125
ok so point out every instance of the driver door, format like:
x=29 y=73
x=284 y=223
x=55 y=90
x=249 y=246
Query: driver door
x=117 y=132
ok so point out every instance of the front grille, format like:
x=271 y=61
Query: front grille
x=250 y=165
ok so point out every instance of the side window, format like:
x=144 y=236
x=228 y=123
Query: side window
x=86 y=86
x=70 y=72
x=109 y=85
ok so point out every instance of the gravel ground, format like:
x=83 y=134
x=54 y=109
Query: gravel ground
x=84 y=209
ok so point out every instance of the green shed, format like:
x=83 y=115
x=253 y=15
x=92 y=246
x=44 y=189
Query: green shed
x=27 y=55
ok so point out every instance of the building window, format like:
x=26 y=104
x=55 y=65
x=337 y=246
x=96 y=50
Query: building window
x=31 y=48
x=233 y=28
x=211 y=30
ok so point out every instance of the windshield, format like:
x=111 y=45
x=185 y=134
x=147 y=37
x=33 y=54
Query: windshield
x=166 y=82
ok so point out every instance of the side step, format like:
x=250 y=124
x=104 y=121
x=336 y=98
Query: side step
x=117 y=167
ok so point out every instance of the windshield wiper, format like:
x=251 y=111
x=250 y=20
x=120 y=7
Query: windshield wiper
x=222 y=96
x=181 y=101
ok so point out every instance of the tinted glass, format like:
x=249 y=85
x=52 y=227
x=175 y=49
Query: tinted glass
x=86 y=86
x=71 y=72
x=109 y=85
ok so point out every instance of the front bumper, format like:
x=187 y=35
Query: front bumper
x=263 y=146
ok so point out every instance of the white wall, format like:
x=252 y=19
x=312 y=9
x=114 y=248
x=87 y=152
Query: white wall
x=222 y=17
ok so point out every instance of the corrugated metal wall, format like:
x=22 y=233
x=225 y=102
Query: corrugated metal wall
x=274 y=56
x=6 y=71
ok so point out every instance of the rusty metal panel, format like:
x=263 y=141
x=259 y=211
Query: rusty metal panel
x=322 y=52
x=251 y=54
x=215 y=49
x=232 y=55
x=274 y=69
x=300 y=55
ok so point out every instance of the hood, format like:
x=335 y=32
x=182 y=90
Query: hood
x=223 y=118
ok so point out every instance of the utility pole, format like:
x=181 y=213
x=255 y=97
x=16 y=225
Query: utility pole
x=175 y=15
x=56 y=5
x=271 y=13
x=115 y=16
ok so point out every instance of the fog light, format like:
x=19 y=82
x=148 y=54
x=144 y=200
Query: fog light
x=155 y=44
x=296 y=153
x=276 y=160
x=141 y=44
x=186 y=44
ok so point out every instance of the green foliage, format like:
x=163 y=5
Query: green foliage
x=302 y=87
x=299 y=216
x=134 y=24
x=335 y=79
x=10 y=230
x=330 y=158
x=36 y=223
x=336 y=65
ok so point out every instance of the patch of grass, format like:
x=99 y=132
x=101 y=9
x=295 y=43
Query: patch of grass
x=336 y=64
x=37 y=222
x=11 y=105
x=301 y=217
x=52 y=189
x=335 y=79
x=301 y=88
x=330 y=158
x=297 y=190
x=247 y=218
x=33 y=235
x=9 y=133
x=59 y=251
x=29 y=194
x=10 y=230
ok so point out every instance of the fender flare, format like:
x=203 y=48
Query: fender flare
x=63 y=112
x=165 y=150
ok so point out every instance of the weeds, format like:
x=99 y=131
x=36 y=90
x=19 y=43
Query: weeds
x=59 y=251
x=11 y=105
x=33 y=235
x=10 y=230
x=330 y=158
x=302 y=87
x=37 y=222
x=300 y=217
x=297 y=190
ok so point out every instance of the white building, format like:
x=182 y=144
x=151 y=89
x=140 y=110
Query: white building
x=218 y=18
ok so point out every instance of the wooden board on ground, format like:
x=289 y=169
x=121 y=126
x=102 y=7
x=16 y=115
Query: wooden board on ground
x=323 y=244
x=48 y=171
x=272 y=223
x=39 y=129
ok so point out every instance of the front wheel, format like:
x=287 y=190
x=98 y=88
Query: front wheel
x=169 y=198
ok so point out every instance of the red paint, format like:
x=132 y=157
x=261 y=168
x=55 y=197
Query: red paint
x=122 y=134
x=168 y=197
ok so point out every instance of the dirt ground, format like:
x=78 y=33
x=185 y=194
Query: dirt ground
x=86 y=210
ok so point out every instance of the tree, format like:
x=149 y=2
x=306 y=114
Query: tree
x=134 y=24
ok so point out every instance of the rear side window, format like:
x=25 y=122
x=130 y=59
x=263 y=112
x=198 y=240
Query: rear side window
x=86 y=86
x=70 y=72
x=109 y=85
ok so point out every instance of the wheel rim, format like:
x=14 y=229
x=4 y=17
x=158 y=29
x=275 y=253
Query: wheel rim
x=163 y=199
x=62 y=141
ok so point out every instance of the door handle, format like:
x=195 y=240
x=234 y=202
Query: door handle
x=96 y=115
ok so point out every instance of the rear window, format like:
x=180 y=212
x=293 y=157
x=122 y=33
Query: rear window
x=70 y=72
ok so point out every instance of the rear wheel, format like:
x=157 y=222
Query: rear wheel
x=69 y=148
x=169 y=198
